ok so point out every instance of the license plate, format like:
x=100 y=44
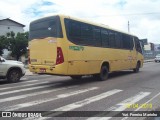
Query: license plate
x=42 y=70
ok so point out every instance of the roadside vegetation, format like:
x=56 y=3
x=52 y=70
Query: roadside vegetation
x=15 y=43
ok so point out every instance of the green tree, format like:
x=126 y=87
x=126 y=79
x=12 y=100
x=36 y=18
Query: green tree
x=17 y=44
x=3 y=44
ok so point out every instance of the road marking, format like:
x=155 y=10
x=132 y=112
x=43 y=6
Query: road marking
x=122 y=105
x=87 y=101
x=144 y=103
x=24 y=85
x=28 y=104
x=19 y=83
x=27 y=89
x=82 y=103
x=28 y=81
x=23 y=78
x=33 y=94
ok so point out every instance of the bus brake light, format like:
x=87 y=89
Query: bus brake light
x=60 y=58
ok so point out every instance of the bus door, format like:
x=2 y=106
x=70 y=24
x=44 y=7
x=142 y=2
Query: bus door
x=134 y=53
x=131 y=53
x=128 y=51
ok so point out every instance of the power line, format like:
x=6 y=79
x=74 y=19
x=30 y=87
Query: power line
x=130 y=14
x=127 y=14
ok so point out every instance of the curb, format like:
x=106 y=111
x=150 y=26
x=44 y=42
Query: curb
x=152 y=60
x=28 y=73
x=31 y=74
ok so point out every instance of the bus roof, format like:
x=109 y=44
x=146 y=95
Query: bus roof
x=87 y=21
x=93 y=23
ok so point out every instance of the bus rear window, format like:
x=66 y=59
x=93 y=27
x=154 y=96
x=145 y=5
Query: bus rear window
x=45 y=27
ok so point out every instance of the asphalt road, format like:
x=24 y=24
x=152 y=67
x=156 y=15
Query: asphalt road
x=123 y=91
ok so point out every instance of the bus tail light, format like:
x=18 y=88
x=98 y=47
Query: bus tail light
x=60 y=58
x=29 y=60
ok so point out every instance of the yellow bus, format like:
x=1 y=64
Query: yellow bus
x=63 y=45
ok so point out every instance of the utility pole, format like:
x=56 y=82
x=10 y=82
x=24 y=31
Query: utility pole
x=128 y=27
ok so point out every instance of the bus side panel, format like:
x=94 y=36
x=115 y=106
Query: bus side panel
x=115 y=57
x=89 y=60
x=77 y=61
x=94 y=57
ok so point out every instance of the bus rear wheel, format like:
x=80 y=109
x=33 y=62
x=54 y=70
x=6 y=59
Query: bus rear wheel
x=136 y=70
x=103 y=75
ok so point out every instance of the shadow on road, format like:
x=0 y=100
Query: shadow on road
x=67 y=81
x=119 y=74
x=90 y=79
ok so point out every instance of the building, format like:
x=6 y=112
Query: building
x=144 y=42
x=8 y=25
x=150 y=50
x=157 y=47
x=147 y=47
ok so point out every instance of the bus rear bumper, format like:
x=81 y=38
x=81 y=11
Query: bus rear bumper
x=60 y=69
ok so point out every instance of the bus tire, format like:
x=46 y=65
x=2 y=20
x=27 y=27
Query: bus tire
x=14 y=76
x=103 y=75
x=136 y=70
x=76 y=77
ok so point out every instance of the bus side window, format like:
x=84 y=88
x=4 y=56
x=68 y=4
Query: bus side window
x=97 y=36
x=112 y=40
x=86 y=34
x=105 y=38
x=74 y=29
x=137 y=45
x=126 y=41
x=118 y=37
x=131 y=43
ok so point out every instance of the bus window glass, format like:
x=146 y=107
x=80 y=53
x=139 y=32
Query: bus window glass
x=74 y=29
x=86 y=34
x=97 y=36
x=118 y=40
x=131 y=43
x=105 y=38
x=126 y=41
x=112 y=39
x=46 y=27
x=137 y=45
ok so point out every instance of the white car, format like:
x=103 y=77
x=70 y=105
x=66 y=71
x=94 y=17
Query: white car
x=12 y=70
x=157 y=58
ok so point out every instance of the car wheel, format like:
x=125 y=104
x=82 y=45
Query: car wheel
x=14 y=76
x=136 y=70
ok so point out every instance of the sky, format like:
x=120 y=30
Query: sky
x=143 y=15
